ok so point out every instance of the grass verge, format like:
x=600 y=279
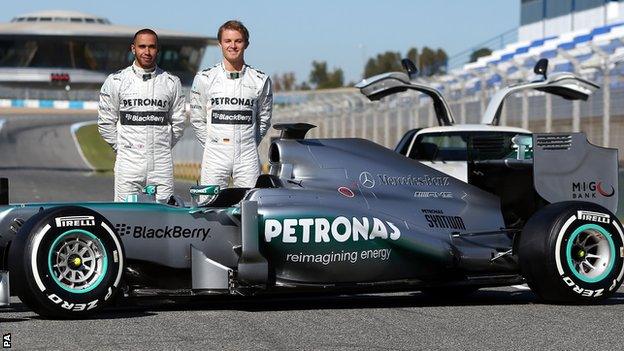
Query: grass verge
x=99 y=154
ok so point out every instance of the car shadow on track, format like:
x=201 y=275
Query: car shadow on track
x=328 y=302
x=149 y=306
x=111 y=313
x=13 y=320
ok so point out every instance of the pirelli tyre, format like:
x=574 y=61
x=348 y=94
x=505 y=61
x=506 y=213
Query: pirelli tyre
x=66 y=262
x=572 y=252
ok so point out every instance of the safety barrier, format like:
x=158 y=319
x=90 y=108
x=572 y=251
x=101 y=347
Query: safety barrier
x=49 y=104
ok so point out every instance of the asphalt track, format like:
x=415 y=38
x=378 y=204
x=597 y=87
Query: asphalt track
x=497 y=318
x=39 y=156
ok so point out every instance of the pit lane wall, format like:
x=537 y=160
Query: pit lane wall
x=52 y=104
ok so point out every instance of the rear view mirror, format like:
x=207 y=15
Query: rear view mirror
x=150 y=190
x=209 y=192
x=204 y=190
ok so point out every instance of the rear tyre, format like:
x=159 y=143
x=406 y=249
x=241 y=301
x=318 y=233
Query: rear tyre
x=572 y=252
x=66 y=262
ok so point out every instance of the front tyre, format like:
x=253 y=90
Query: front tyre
x=66 y=262
x=572 y=252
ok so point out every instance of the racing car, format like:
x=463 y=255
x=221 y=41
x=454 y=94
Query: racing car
x=333 y=216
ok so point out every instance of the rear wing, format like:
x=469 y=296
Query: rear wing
x=382 y=85
x=565 y=84
x=568 y=167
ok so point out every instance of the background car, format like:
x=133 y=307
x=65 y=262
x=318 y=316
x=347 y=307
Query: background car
x=450 y=147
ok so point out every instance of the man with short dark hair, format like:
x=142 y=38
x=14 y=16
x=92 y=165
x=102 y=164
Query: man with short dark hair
x=231 y=106
x=141 y=115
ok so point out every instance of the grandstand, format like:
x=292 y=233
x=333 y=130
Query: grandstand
x=550 y=29
x=51 y=54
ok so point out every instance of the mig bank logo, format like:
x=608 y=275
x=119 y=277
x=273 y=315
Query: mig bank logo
x=367 y=180
x=589 y=190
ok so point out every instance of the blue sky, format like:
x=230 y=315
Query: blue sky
x=288 y=35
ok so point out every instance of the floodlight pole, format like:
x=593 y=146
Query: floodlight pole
x=462 y=102
x=548 y=127
x=504 y=78
x=525 y=96
x=415 y=122
x=483 y=92
x=576 y=105
x=605 y=67
x=352 y=103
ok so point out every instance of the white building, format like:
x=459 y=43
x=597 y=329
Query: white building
x=546 y=18
x=62 y=49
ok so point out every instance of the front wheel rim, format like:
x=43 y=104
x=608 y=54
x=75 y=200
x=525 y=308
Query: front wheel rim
x=77 y=261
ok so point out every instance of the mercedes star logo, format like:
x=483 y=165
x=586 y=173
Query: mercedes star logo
x=367 y=180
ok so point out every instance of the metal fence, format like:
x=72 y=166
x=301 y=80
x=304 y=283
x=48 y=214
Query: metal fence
x=345 y=113
x=349 y=114
x=55 y=93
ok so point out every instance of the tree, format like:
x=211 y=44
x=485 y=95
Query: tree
x=336 y=79
x=412 y=54
x=385 y=62
x=322 y=79
x=480 y=53
x=432 y=61
x=426 y=61
x=284 y=82
x=441 y=62
x=277 y=83
x=318 y=75
x=429 y=62
x=289 y=81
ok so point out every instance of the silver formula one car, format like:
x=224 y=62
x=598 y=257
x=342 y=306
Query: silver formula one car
x=334 y=215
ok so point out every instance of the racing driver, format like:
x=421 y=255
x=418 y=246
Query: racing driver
x=231 y=106
x=141 y=115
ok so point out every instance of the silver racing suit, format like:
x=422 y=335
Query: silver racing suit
x=141 y=115
x=231 y=113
